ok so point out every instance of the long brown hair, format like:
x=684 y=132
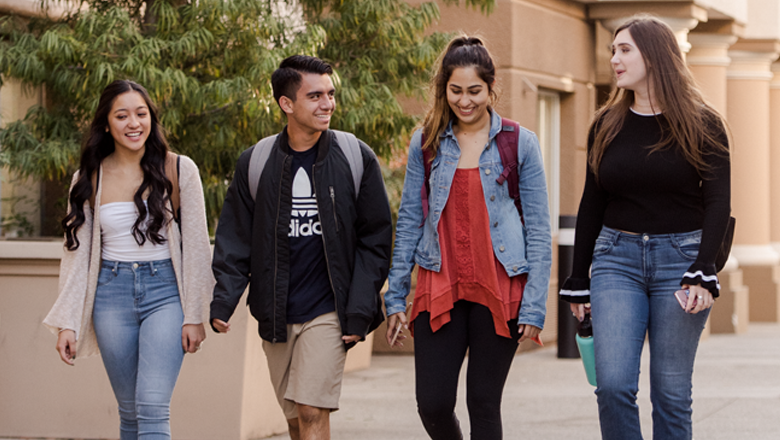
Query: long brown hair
x=462 y=51
x=691 y=121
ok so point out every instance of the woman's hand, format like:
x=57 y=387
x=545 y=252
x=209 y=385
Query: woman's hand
x=393 y=321
x=528 y=331
x=703 y=297
x=66 y=346
x=579 y=310
x=192 y=336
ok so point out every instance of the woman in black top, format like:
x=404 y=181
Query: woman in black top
x=652 y=216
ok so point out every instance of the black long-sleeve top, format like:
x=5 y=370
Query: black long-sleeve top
x=654 y=193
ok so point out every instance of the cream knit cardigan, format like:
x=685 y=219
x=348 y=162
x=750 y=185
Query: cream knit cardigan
x=190 y=254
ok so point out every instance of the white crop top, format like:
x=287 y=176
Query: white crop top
x=116 y=227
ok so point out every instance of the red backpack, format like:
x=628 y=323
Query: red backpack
x=507 y=149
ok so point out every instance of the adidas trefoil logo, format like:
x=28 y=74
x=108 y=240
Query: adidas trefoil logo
x=304 y=205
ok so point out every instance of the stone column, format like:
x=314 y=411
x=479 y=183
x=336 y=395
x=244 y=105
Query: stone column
x=708 y=60
x=774 y=157
x=774 y=147
x=748 y=113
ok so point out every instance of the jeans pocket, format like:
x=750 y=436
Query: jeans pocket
x=687 y=244
x=166 y=274
x=105 y=277
x=603 y=245
x=688 y=249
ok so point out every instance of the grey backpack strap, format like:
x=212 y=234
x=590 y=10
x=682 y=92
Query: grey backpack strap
x=257 y=162
x=351 y=148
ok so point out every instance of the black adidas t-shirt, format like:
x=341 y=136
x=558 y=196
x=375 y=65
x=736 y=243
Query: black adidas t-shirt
x=310 y=294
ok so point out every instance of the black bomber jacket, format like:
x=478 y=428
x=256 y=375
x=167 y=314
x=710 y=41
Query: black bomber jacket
x=252 y=244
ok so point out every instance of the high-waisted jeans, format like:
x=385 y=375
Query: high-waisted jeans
x=633 y=280
x=138 y=319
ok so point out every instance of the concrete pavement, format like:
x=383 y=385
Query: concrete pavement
x=736 y=395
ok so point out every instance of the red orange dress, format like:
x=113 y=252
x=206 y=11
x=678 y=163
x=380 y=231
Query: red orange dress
x=467 y=271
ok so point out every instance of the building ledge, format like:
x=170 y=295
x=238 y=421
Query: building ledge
x=32 y=249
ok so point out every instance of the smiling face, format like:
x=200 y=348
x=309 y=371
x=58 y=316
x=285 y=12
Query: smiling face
x=129 y=122
x=468 y=95
x=314 y=104
x=628 y=63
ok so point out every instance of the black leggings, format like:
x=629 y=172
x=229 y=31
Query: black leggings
x=437 y=361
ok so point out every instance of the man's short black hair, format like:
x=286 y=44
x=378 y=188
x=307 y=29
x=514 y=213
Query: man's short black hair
x=286 y=80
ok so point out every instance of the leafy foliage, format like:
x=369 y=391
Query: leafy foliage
x=207 y=64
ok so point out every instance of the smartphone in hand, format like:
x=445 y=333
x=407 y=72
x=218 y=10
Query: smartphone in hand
x=399 y=325
x=682 y=298
x=397 y=331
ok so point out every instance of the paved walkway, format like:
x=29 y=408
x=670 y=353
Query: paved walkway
x=736 y=395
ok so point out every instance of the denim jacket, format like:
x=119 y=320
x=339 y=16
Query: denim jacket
x=520 y=248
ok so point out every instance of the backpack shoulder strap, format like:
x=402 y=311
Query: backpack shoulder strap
x=351 y=148
x=260 y=153
x=507 y=148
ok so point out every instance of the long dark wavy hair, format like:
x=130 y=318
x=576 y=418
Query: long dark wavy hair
x=98 y=145
x=462 y=51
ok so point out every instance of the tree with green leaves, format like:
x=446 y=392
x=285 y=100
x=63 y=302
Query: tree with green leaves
x=207 y=64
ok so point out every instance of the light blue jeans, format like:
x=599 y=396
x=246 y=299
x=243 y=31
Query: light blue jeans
x=633 y=280
x=138 y=319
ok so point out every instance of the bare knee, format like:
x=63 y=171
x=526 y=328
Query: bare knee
x=308 y=415
x=314 y=422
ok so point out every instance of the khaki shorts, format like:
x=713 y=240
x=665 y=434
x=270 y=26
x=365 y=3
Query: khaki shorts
x=307 y=369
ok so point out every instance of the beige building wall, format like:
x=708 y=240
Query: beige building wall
x=750 y=115
x=774 y=148
x=708 y=60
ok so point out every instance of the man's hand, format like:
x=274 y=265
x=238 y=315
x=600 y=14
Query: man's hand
x=192 y=336
x=66 y=346
x=351 y=338
x=220 y=325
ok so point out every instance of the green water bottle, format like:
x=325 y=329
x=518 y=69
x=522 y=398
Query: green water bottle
x=584 y=339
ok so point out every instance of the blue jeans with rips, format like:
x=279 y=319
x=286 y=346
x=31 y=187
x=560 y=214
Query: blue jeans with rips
x=633 y=280
x=138 y=320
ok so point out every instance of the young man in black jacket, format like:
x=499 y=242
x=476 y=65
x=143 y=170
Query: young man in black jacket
x=313 y=243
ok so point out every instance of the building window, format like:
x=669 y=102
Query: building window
x=549 y=129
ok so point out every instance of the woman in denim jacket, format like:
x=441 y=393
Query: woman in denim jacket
x=484 y=271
